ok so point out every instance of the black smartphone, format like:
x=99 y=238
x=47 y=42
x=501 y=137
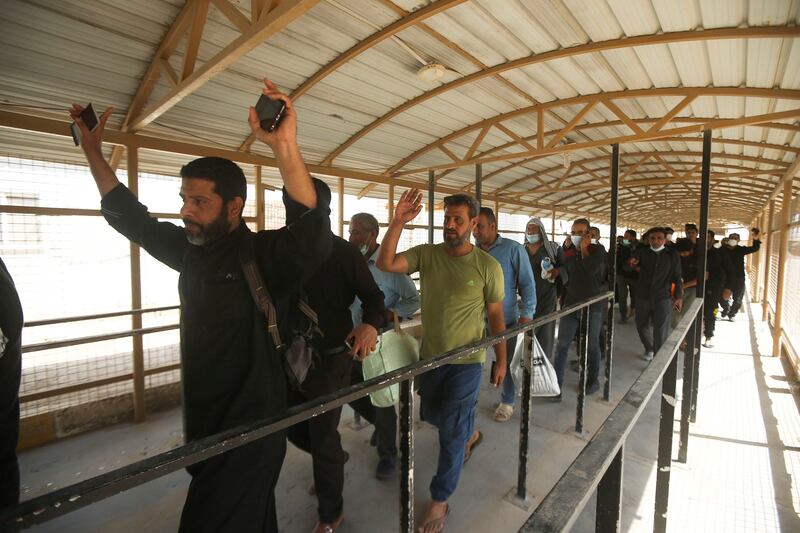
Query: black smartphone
x=270 y=112
x=89 y=117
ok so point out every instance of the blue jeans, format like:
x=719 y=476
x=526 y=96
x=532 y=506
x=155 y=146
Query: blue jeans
x=567 y=329
x=509 y=391
x=449 y=397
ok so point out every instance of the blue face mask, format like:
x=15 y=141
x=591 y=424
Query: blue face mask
x=626 y=242
x=533 y=239
x=576 y=240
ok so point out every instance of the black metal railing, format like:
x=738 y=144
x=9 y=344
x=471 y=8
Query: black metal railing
x=599 y=466
x=71 y=498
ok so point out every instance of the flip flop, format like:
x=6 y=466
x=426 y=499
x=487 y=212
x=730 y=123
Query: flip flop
x=470 y=449
x=435 y=525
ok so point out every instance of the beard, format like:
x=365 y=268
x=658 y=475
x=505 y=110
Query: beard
x=203 y=235
x=454 y=240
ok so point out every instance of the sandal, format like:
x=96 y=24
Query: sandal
x=503 y=412
x=435 y=525
x=471 y=448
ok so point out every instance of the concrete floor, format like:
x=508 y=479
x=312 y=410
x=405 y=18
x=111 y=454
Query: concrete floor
x=743 y=471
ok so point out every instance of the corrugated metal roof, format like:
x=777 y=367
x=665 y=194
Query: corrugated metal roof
x=56 y=53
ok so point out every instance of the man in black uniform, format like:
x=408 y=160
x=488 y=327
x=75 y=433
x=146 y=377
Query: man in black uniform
x=719 y=284
x=736 y=255
x=626 y=274
x=232 y=373
x=331 y=291
x=10 y=371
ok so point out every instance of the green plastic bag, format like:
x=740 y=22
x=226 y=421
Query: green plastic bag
x=395 y=349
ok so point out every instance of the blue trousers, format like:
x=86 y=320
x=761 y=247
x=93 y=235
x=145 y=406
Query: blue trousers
x=449 y=397
x=568 y=327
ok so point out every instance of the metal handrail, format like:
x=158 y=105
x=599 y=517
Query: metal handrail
x=95 y=338
x=566 y=500
x=73 y=497
x=51 y=321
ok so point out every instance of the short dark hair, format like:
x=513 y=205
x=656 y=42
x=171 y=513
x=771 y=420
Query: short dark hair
x=594 y=228
x=367 y=221
x=657 y=229
x=488 y=213
x=689 y=226
x=684 y=244
x=463 y=199
x=228 y=177
x=669 y=230
x=631 y=232
x=582 y=221
x=732 y=234
x=711 y=232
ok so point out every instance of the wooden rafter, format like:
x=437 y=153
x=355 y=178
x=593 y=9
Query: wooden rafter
x=626 y=42
x=195 y=35
x=622 y=116
x=663 y=121
x=269 y=24
x=638 y=93
x=233 y=14
x=476 y=143
x=406 y=21
x=516 y=138
x=448 y=153
x=647 y=136
x=572 y=123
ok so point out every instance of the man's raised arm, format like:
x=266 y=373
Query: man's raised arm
x=92 y=146
x=407 y=209
x=283 y=142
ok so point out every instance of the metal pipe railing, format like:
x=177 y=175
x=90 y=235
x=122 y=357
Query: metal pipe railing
x=599 y=466
x=95 y=338
x=68 y=499
x=80 y=318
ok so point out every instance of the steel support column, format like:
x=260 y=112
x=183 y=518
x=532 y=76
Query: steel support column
x=608 y=513
x=612 y=268
x=665 y=446
x=407 y=456
x=478 y=184
x=702 y=241
x=525 y=416
x=341 y=207
x=583 y=345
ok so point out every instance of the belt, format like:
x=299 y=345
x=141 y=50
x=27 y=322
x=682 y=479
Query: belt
x=332 y=351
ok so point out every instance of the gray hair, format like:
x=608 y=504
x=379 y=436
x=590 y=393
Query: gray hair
x=367 y=221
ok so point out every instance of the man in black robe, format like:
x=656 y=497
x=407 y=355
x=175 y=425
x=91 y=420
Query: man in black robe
x=10 y=372
x=232 y=373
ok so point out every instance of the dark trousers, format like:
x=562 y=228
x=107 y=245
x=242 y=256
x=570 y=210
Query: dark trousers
x=710 y=312
x=319 y=436
x=568 y=328
x=10 y=372
x=383 y=418
x=625 y=286
x=660 y=312
x=730 y=309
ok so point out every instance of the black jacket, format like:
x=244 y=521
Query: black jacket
x=736 y=256
x=588 y=276
x=657 y=272
x=721 y=274
x=624 y=253
x=231 y=373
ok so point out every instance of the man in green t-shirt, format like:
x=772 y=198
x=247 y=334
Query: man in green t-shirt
x=461 y=285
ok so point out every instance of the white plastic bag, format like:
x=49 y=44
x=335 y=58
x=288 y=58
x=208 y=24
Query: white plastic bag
x=544 y=381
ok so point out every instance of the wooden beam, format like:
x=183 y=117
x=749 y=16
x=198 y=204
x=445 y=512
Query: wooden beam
x=233 y=14
x=647 y=136
x=622 y=116
x=577 y=100
x=593 y=47
x=572 y=123
x=366 y=190
x=514 y=136
x=270 y=24
x=663 y=121
x=476 y=143
x=195 y=36
x=166 y=70
x=448 y=153
x=540 y=129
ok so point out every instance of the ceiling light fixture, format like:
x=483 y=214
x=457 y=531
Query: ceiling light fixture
x=431 y=72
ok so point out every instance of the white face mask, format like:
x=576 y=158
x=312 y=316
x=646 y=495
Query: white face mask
x=533 y=239
x=717 y=245
x=593 y=241
x=732 y=242
x=656 y=249
x=364 y=249
x=576 y=240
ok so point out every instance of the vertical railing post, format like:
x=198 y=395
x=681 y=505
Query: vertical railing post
x=431 y=185
x=553 y=227
x=407 y=456
x=136 y=297
x=665 y=446
x=525 y=415
x=260 y=214
x=767 y=245
x=341 y=207
x=478 y=182
x=608 y=513
x=686 y=395
x=612 y=269
x=583 y=344
x=702 y=240
x=783 y=258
